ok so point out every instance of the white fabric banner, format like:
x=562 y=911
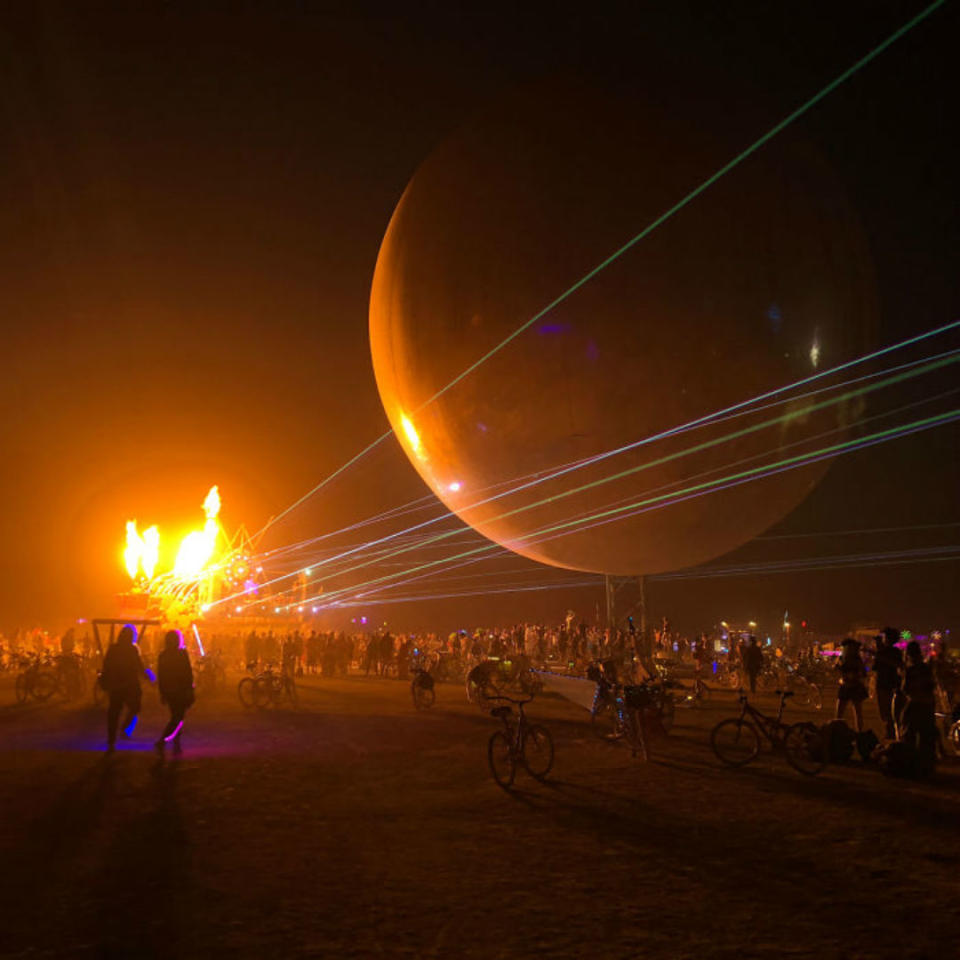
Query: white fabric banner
x=577 y=690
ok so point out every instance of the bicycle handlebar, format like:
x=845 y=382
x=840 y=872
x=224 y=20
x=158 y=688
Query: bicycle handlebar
x=501 y=696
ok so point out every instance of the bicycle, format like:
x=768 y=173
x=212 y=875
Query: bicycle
x=620 y=712
x=422 y=689
x=267 y=688
x=523 y=743
x=694 y=695
x=736 y=741
x=35 y=681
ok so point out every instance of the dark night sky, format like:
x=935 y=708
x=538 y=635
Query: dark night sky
x=193 y=196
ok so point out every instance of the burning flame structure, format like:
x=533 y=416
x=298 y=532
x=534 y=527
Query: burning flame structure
x=204 y=559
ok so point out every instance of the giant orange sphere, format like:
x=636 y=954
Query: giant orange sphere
x=756 y=283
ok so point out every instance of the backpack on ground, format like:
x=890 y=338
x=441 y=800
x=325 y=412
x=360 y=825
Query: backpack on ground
x=840 y=741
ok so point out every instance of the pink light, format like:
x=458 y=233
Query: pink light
x=175 y=732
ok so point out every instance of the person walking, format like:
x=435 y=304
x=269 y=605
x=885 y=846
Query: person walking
x=887 y=667
x=175 y=680
x=120 y=678
x=852 y=689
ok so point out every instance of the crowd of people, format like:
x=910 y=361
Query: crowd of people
x=905 y=681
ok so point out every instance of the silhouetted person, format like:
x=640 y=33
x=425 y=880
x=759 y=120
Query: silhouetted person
x=887 y=665
x=919 y=721
x=852 y=689
x=120 y=678
x=175 y=680
x=752 y=662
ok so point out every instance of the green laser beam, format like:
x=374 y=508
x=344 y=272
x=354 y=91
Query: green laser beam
x=693 y=194
x=769 y=135
x=754 y=472
x=697 y=448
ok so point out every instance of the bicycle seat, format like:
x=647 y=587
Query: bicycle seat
x=784 y=693
x=501 y=712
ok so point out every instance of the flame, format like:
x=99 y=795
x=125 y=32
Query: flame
x=151 y=551
x=141 y=551
x=198 y=547
x=133 y=550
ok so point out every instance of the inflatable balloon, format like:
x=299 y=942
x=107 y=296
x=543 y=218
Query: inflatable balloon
x=759 y=281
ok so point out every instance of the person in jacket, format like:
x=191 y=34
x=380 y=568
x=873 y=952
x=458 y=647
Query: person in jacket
x=120 y=678
x=887 y=668
x=175 y=680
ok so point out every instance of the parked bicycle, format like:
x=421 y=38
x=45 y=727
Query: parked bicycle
x=518 y=743
x=492 y=677
x=737 y=740
x=622 y=714
x=422 y=688
x=35 y=681
x=268 y=688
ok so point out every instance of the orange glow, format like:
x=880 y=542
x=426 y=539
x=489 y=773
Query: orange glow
x=411 y=433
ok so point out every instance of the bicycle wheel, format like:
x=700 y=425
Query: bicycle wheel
x=423 y=697
x=735 y=742
x=634 y=733
x=503 y=764
x=530 y=683
x=43 y=685
x=538 y=751
x=949 y=738
x=265 y=692
x=22 y=688
x=603 y=721
x=247 y=691
x=805 y=748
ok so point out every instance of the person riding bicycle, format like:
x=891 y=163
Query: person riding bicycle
x=120 y=678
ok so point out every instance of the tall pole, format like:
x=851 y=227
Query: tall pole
x=642 y=579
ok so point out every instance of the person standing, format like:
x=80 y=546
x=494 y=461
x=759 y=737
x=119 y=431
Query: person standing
x=919 y=720
x=887 y=667
x=852 y=689
x=752 y=657
x=120 y=678
x=175 y=680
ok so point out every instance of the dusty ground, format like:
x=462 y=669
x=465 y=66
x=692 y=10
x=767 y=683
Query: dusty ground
x=355 y=827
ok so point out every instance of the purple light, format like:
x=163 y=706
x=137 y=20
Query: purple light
x=130 y=727
x=175 y=732
x=152 y=677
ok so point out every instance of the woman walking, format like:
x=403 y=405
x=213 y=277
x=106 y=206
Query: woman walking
x=175 y=680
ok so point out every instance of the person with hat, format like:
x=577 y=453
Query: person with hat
x=852 y=688
x=887 y=668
